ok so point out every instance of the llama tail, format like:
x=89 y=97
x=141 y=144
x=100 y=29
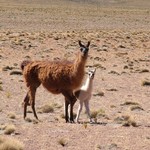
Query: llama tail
x=24 y=63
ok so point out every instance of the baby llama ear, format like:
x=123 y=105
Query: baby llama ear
x=94 y=70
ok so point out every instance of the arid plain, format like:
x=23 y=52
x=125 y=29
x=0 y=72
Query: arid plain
x=119 y=31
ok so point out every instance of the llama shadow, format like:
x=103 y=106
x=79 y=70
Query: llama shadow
x=94 y=123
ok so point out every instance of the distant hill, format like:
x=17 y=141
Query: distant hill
x=101 y=3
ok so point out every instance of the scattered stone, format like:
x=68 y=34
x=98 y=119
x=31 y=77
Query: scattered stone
x=113 y=72
x=7 y=68
x=99 y=94
x=15 y=73
x=146 y=83
x=121 y=46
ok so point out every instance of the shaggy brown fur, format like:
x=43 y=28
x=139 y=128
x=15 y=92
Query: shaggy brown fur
x=57 y=77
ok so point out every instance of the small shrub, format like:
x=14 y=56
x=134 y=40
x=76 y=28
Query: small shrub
x=15 y=73
x=10 y=144
x=136 y=108
x=62 y=142
x=9 y=129
x=11 y=116
x=2 y=127
x=145 y=83
x=62 y=116
x=46 y=109
x=112 y=106
x=144 y=70
x=8 y=95
x=1 y=88
x=130 y=103
x=28 y=120
x=94 y=114
x=126 y=120
x=98 y=147
x=56 y=105
x=85 y=125
x=121 y=119
x=99 y=94
x=129 y=122
x=97 y=113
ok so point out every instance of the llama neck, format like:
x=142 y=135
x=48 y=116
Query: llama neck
x=88 y=84
x=79 y=64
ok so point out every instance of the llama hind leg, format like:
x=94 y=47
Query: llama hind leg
x=32 y=92
x=86 y=103
x=79 y=111
x=25 y=104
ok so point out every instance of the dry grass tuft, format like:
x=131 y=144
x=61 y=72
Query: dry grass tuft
x=62 y=142
x=56 y=105
x=2 y=127
x=62 y=116
x=46 y=109
x=129 y=103
x=9 y=129
x=136 y=108
x=1 y=88
x=10 y=144
x=8 y=95
x=145 y=83
x=12 y=116
x=100 y=93
x=126 y=120
x=28 y=120
x=94 y=113
x=97 y=113
x=85 y=125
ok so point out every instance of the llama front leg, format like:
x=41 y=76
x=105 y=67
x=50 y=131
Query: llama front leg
x=72 y=102
x=69 y=99
x=86 y=103
x=66 y=110
x=79 y=111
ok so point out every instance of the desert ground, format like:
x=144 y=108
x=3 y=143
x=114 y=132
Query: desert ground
x=119 y=31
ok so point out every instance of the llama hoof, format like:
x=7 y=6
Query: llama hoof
x=67 y=121
x=91 y=122
x=72 y=121
x=77 y=121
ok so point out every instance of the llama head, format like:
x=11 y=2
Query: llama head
x=91 y=73
x=84 y=48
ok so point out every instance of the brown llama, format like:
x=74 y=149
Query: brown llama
x=57 y=77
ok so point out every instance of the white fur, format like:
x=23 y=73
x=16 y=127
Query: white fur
x=85 y=95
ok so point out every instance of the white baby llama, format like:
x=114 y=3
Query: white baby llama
x=84 y=94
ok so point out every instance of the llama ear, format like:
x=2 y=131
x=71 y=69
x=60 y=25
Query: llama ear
x=88 y=68
x=80 y=44
x=88 y=44
x=94 y=70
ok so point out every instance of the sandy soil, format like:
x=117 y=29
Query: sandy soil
x=119 y=31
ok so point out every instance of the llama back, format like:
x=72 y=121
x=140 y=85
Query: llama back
x=61 y=74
